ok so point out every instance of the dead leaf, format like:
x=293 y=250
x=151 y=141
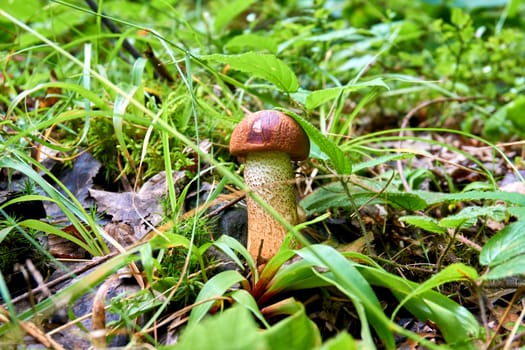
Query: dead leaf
x=140 y=210
x=78 y=180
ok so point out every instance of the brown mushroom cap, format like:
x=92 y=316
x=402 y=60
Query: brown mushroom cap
x=269 y=130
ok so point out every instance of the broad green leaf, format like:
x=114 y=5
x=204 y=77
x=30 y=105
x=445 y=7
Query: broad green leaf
x=513 y=8
x=168 y=240
x=251 y=42
x=452 y=273
x=4 y=232
x=235 y=329
x=423 y=222
x=244 y=298
x=232 y=329
x=342 y=341
x=456 y=221
x=215 y=287
x=333 y=195
x=296 y=331
x=227 y=13
x=275 y=263
x=504 y=245
x=296 y=276
x=498 y=125
x=478 y=186
x=318 y=97
x=264 y=66
x=468 y=216
x=147 y=259
x=438 y=197
x=51 y=24
x=515 y=112
x=518 y=212
x=458 y=326
x=509 y=268
x=343 y=274
x=23 y=10
x=459 y=18
x=341 y=162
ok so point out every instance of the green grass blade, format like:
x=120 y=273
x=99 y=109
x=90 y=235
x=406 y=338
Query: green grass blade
x=77 y=288
x=458 y=326
x=47 y=228
x=230 y=246
x=245 y=299
x=343 y=274
x=86 y=84
x=452 y=273
x=216 y=287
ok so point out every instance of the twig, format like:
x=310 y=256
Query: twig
x=518 y=293
x=32 y=329
x=517 y=325
x=159 y=69
x=63 y=278
x=114 y=29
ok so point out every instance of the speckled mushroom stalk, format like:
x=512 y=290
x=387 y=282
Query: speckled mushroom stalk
x=268 y=141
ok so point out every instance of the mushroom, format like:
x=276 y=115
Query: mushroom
x=267 y=140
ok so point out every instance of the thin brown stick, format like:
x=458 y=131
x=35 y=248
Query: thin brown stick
x=159 y=70
x=64 y=277
x=31 y=329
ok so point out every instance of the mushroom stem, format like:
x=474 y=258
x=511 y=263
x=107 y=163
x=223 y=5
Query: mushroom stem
x=270 y=175
x=268 y=140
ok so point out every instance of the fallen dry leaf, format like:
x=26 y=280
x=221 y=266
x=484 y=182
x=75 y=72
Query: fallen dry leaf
x=141 y=209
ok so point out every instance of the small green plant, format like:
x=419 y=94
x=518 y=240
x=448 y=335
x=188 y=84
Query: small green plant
x=354 y=75
x=321 y=266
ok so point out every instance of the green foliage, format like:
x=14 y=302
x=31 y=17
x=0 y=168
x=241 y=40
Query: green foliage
x=452 y=273
x=465 y=218
x=132 y=307
x=507 y=120
x=235 y=328
x=457 y=324
x=504 y=253
x=323 y=266
x=229 y=12
x=325 y=145
x=252 y=41
x=352 y=194
x=264 y=66
x=70 y=206
x=336 y=67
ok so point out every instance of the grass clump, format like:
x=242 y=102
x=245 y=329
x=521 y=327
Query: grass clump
x=412 y=110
